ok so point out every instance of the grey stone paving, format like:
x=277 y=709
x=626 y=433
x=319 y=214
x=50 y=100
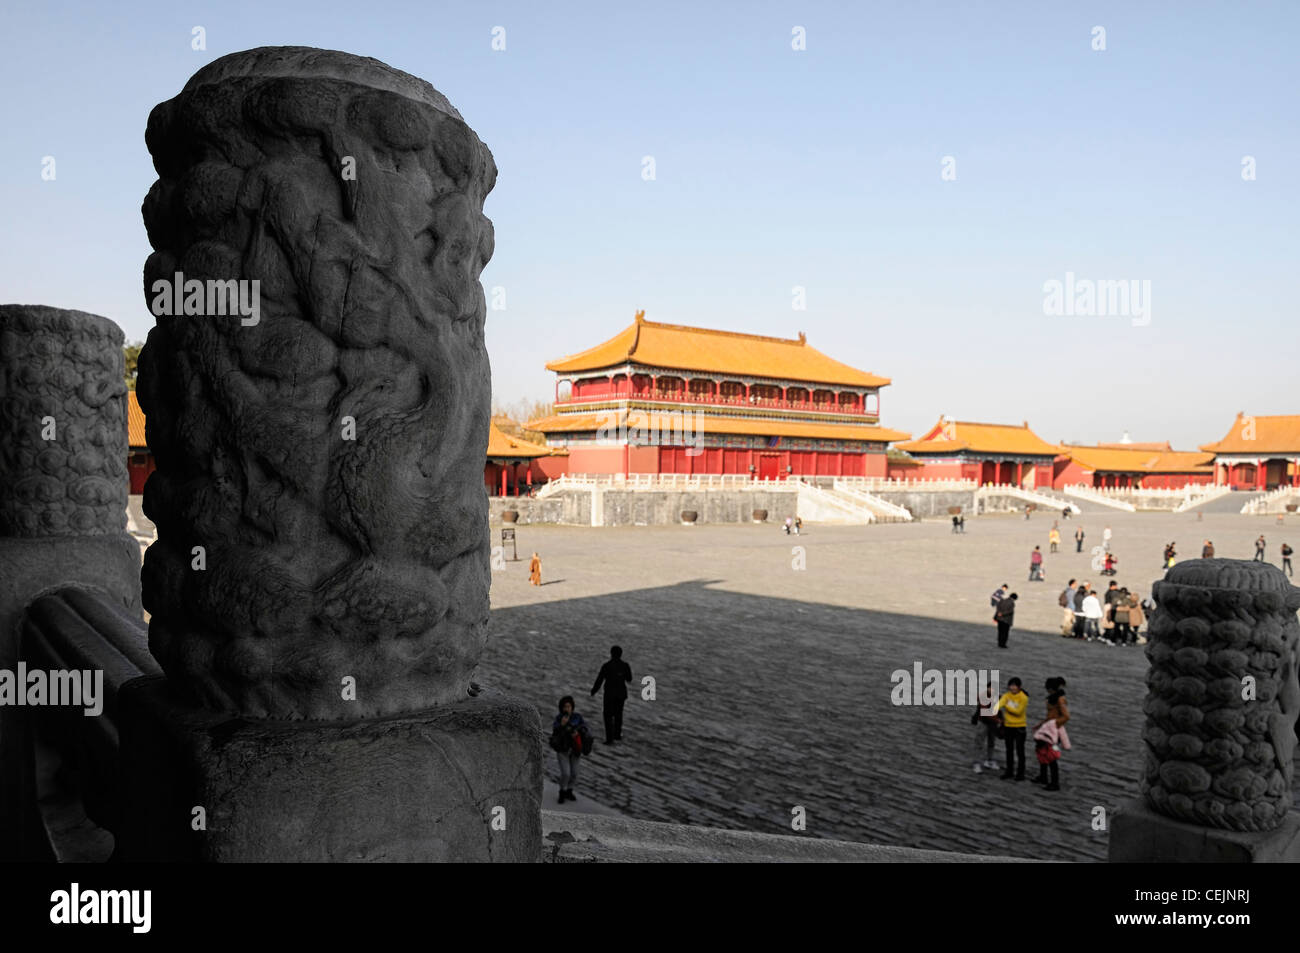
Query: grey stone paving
x=773 y=684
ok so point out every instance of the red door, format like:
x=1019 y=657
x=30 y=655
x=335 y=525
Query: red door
x=767 y=466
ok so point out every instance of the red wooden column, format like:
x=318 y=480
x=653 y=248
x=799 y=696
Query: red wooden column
x=1019 y=472
x=503 y=480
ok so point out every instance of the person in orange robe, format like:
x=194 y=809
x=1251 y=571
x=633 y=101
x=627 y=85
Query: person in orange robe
x=535 y=570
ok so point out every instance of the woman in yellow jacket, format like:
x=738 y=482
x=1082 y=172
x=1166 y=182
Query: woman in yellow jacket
x=1013 y=707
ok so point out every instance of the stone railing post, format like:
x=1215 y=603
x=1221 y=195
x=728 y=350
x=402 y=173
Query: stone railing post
x=318 y=394
x=63 y=449
x=1221 y=711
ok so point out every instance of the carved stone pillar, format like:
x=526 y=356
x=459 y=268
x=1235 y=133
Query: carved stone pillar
x=63 y=449
x=318 y=395
x=326 y=461
x=1221 y=713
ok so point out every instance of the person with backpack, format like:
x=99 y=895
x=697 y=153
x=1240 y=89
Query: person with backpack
x=1066 y=602
x=998 y=595
x=615 y=676
x=1004 y=615
x=1286 y=559
x=570 y=740
x=985 y=720
x=1036 y=565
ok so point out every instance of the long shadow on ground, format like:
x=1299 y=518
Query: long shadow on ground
x=763 y=704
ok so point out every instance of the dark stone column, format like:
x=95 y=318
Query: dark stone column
x=63 y=450
x=318 y=407
x=1221 y=714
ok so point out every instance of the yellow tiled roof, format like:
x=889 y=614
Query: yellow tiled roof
x=503 y=445
x=954 y=436
x=578 y=423
x=1260 y=435
x=718 y=352
x=1139 y=459
x=134 y=423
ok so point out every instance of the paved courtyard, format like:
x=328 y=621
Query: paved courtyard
x=773 y=683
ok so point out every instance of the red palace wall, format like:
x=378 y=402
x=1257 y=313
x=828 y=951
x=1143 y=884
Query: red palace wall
x=770 y=463
x=138 y=467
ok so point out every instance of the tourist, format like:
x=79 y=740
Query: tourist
x=1286 y=559
x=1170 y=553
x=1080 y=617
x=1207 y=551
x=1105 y=539
x=1028 y=509
x=1065 y=512
x=1078 y=540
x=798 y=525
x=1054 y=539
x=1066 y=602
x=955 y=525
x=570 y=739
x=1136 y=618
x=998 y=594
x=1013 y=708
x=535 y=570
x=1036 y=565
x=986 y=730
x=615 y=676
x=961 y=523
x=789 y=524
x=1108 y=565
x=1091 y=616
x=1050 y=736
x=1260 y=546
x=1005 y=615
x=1120 y=612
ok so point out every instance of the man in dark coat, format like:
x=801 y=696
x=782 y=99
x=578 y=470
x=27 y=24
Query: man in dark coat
x=615 y=675
x=1004 y=615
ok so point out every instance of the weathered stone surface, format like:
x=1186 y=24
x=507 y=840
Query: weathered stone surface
x=327 y=556
x=63 y=454
x=62 y=423
x=1222 y=695
x=425 y=786
x=592 y=838
x=1140 y=835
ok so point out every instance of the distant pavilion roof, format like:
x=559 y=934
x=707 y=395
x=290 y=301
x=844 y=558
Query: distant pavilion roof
x=676 y=347
x=1139 y=458
x=1260 y=436
x=957 y=436
x=134 y=423
x=502 y=445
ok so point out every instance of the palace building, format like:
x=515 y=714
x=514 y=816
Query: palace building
x=663 y=398
x=1259 y=453
x=139 y=459
x=1148 y=465
x=987 y=453
x=514 y=464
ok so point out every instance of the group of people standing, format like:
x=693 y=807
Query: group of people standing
x=1009 y=720
x=1115 y=618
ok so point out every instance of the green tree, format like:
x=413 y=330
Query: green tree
x=131 y=351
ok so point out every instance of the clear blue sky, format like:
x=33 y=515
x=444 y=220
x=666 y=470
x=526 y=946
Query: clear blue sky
x=777 y=168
